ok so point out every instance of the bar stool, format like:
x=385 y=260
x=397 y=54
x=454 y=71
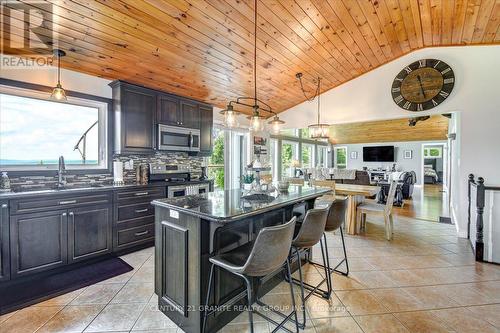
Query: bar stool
x=311 y=232
x=335 y=220
x=266 y=255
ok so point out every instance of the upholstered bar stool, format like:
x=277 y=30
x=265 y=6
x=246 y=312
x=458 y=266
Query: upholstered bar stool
x=268 y=254
x=334 y=222
x=311 y=232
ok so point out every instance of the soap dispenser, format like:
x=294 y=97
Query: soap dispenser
x=4 y=182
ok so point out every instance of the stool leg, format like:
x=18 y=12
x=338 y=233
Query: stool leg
x=327 y=272
x=329 y=268
x=303 y=324
x=250 y=302
x=345 y=253
x=205 y=310
x=294 y=309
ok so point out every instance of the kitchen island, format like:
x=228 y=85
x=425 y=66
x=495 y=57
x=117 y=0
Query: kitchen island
x=191 y=229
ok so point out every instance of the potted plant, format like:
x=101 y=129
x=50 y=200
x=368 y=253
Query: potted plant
x=247 y=182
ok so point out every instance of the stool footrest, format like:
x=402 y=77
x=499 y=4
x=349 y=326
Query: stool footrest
x=284 y=316
x=316 y=290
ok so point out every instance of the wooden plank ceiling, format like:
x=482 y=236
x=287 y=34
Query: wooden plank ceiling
x=204 y=49
x=397 y=130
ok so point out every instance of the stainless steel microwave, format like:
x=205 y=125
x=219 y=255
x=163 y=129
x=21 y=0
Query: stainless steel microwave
x=178 y=138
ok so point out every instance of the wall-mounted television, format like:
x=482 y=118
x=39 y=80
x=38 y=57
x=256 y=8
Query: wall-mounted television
x=378 y=154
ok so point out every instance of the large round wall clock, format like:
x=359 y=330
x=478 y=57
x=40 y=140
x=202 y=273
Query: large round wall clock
x=422 y=85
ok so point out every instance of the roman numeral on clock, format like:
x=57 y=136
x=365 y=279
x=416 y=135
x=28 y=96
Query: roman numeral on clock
x=398 y=99
x=408 y=70
x=444 y=71
x=420 y=107
x=450 y=80
x=434 y=103
x=444 y=94
x=407 y=105
x=421 y=63
x=397 y=89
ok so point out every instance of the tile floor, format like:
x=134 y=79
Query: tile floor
x=425 y=280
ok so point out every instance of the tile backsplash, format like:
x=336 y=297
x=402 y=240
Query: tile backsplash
x=43 y=182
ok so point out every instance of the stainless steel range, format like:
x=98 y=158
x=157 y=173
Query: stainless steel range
x=174 y=174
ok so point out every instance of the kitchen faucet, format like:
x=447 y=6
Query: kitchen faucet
x=61 y=171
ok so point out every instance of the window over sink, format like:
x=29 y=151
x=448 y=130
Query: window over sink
x=35 y=131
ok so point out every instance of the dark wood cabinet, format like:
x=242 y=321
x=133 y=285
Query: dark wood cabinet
x=168 y=110
x=135 y=113
x=4 y=242
x=38 y=242
x=206 y=128
x=89 y=232
x=189 y=114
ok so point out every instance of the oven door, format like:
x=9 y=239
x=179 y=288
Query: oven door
x=178 y=138
x=176 y=191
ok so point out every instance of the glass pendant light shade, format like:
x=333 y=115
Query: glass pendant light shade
x=230 y=117
x=257 y=123
x=319 y=131
x=276 y=125
x=58 y=93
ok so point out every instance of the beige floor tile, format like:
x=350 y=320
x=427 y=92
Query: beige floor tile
x=6 y=316
x=152 y=319
x=143 y=274
x=122 y=278
x=341 y=282
x=385 y=323
x=360 y=302
x=430 y=297
x=374 y=279
x=462 y=320
x=134 y=293
x=336 y=325
x=29 y=319
x=359 y=264
x=397 y=300
x=490 y=313
x=63 y=299
x=464 y=294
x=245 y=328
x=98 y=294
x=405 y=277
x=321 y=308
x=116 y=317
x=73 y=318
x=422 y=322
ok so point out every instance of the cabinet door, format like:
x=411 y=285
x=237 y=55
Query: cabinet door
x=190 y=114
x=206 y=115
x=168 y=110
x=4 y=242
x=138 y=111
x=38 y=242
x=89 y=232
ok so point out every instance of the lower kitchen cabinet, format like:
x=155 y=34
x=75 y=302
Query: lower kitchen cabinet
x=38 y=242
x=4 y=242
x=89 y=232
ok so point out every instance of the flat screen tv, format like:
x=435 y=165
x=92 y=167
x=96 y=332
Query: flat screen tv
x=378 y=154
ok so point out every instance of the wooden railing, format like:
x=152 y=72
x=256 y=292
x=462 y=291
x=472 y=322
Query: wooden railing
x=479 y=207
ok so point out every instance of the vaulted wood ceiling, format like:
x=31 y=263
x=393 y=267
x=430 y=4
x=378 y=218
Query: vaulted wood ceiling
x=396 y=130
x=204 y=49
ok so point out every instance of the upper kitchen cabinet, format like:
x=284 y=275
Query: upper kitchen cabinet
x=206 y=122
x=135 y=111
x=174 y=111
x=190 y=114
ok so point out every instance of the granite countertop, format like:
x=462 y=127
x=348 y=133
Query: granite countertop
x=84 y=188
x=230 y=205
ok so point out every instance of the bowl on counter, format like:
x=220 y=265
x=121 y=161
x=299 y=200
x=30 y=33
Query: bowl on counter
x=283 y=185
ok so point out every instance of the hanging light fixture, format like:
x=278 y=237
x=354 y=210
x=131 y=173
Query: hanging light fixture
x=318 y=130
x=257 y=121
x=58 y=92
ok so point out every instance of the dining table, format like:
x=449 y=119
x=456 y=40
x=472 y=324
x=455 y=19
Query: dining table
x=356 y=195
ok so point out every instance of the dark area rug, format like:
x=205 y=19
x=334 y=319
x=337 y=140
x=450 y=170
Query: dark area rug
x=28 y=292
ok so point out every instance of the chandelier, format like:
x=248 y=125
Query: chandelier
x=318 y=130
x=257 y=121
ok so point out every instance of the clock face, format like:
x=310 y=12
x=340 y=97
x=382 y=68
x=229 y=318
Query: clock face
x=423 y=85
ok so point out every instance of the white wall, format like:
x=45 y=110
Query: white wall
x=402 y=164
x=476 y=97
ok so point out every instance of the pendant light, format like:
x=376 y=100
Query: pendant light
x=257 y=121
x=317 y=131
x=58 y=92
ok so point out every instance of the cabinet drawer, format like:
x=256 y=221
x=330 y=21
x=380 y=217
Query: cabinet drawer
x=140 y=195
x=136 y=235
x=137 y=222
x=126 y=212
x=51 y=202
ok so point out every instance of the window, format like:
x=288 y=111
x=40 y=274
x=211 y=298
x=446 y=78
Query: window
x=341 y=157
x=322 y=157
x=433 y=152
x=290 y=132
x=307 y=155
x=35 y=131
x=273 y=158
x=216 y=160
x=289 y=158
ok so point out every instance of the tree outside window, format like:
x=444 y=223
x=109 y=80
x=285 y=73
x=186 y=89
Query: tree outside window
x=341 y=157
x=216 y=161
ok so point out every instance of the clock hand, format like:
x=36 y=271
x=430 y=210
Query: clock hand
x=421 y=88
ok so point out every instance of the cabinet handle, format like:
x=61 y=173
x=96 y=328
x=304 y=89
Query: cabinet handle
x=67 y=202
x=142 y=233
x=141 y=193
x=64 y=214
x=4 y=205
x=71 y=213
x=141 y=210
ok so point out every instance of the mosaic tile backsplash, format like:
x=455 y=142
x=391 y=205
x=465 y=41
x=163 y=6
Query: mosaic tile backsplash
x=129 y=176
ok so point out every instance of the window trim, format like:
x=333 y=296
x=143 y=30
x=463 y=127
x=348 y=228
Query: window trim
x=25 y=89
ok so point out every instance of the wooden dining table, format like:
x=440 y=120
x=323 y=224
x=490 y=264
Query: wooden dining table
x=356 y=194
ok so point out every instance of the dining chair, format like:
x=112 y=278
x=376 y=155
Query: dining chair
x=384 y=210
